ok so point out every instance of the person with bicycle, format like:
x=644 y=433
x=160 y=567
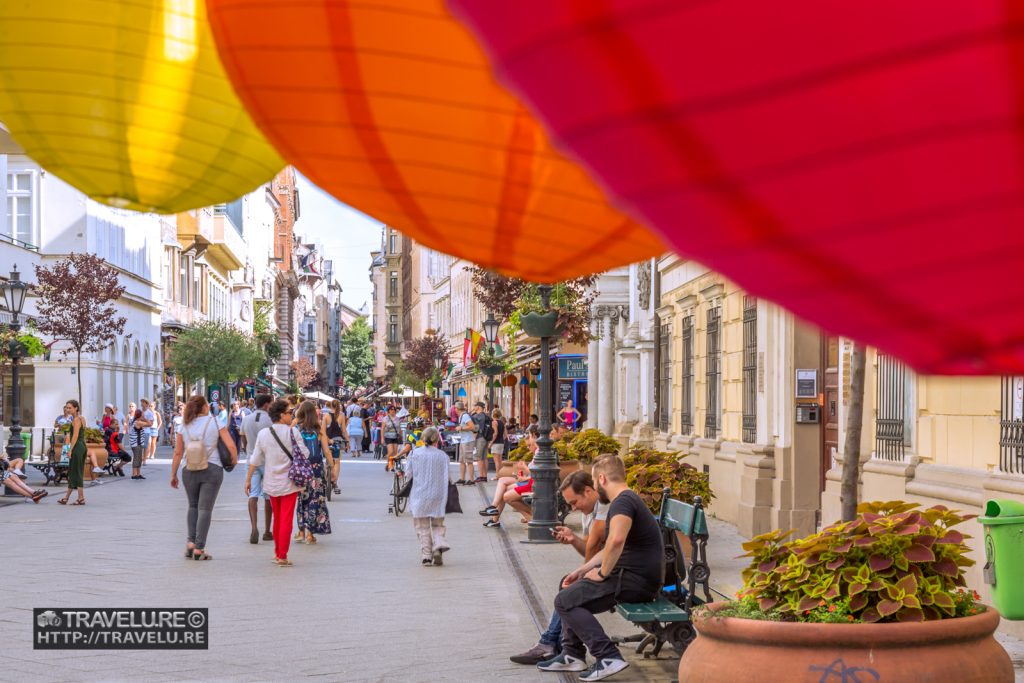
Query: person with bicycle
x=428 y=468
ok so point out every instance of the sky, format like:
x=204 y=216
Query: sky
x=347 y=237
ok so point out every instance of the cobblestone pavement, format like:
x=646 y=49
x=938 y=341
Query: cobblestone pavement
x=356 y=607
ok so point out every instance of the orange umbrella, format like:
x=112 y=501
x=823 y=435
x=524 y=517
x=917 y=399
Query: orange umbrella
x=390 y=106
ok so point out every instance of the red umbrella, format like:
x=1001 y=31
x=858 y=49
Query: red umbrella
x=857 y=162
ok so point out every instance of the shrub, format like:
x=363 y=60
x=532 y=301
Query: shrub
x=649 y=472
x=588 y=444
x=894 y=562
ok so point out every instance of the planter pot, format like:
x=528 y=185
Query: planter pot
x=731 y=649
x=506 y=470
x=492 y=370
x=567 y=467
x=101 y=460
x=540 y=324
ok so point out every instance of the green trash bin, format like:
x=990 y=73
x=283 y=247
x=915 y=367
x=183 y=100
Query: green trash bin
x=1004 y=556
x=27 y=438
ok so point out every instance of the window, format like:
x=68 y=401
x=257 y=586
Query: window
x=21 y=214
x=393 y=285
x=1011 y=426
x=393 y=329
x=168 y=273
x=664 y=348
x=713 y=372
x=686 y=402
x=197 y=289
x=184 y=268
x=310 y=332
x=749 y=369
x=892 y=433
x=393 y=248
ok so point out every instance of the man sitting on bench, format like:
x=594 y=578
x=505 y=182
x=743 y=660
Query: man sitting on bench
x=630 y=568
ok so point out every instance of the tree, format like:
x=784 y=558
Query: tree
x=216 y=352
x=305 y=373
x=421 y=353
x=851 y=448
x=76 y=305
x=356 y=354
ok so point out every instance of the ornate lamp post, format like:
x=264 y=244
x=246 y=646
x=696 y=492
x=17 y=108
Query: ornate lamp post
x=490 y=336
x=439 y=362
x=545 y=463
x=14 y=291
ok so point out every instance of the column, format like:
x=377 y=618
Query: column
x=594 y=389
x=606 y=378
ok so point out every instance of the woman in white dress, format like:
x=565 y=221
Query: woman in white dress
x=428 y=467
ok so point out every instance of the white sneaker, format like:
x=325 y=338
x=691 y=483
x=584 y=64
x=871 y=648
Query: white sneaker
x=603 y=668
x=97 y=470
x=20 y=474
x=562 y=662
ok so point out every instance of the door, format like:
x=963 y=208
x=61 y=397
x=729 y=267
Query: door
x=830 y=411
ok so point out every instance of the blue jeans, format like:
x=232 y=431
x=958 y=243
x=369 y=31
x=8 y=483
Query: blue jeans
x=553 y=636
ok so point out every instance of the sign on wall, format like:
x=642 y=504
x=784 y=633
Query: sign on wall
x=572 y=367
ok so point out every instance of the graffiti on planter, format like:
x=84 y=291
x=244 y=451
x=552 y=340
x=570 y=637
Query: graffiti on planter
x=839 y=672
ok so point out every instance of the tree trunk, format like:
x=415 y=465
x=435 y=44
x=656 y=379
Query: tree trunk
x=848 y=495
x=78 y=371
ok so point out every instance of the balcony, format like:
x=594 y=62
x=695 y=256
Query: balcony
x=228 y=246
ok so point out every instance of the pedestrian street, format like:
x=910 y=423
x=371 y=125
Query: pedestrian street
x=358 y=606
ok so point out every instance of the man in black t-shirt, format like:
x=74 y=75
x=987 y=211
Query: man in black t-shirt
x=630 y=568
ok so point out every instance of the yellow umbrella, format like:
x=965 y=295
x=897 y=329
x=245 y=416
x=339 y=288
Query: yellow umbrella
x=128 y=102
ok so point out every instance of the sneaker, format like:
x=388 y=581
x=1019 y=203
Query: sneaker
x=535 y=655
x=426 y=562
x=603 y=668
x=480 y=479
x=562 y=662
x=438 y=560
x=95 y=470
x=460 y=482
x=491 y=523
x=490 y=511
x=337 y=491
x=21 y=475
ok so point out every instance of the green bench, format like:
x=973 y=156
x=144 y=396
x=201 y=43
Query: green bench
x=666 y=619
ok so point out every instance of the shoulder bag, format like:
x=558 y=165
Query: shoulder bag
x=222 y=450
x=300 y=472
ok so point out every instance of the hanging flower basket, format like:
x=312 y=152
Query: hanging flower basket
x=492 y=370
x=540 y=324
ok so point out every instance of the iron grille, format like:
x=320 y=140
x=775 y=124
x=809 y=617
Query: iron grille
x=666 y=376
x=749 y=369
x=890 y=428
x=713 y=374
x=1011 y=426
x=686 y=404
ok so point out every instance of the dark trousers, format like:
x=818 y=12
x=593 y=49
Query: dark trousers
x=577 y=605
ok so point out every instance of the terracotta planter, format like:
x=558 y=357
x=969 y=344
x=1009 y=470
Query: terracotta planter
x=567 y=467
x=731 y=649
x=506 y=470
x=101 y=460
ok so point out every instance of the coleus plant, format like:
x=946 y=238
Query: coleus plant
x=893 y=562
x=649 y=472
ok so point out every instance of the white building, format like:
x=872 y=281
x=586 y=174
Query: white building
x=45 y=219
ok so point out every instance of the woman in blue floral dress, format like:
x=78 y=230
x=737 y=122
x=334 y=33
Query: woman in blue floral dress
x=311 y=512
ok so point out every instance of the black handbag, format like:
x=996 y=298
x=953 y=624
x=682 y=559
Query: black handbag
x=406 y=489
x=452 y=506
x=225 y=454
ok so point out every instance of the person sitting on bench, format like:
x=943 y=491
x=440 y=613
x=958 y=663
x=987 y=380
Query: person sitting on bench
x=630 y=568
x=7 y=476
x=579 y=492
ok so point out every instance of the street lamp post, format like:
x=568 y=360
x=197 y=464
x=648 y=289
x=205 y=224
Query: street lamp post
x=544 y=467
x=491 y=336
x=14 y=291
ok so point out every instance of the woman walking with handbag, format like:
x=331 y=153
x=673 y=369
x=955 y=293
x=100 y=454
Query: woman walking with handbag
x=203 y=474
x=334 y=427
x=277 y=458
x=428 y=468
x=312 y=516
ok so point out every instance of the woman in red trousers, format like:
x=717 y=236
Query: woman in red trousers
x=273 y=452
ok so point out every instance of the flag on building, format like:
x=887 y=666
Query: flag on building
x=471 y=346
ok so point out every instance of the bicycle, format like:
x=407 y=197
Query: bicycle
x=398 y=501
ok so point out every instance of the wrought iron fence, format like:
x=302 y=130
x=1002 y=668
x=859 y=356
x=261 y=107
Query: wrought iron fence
x=890 y=426
x=665 y=376
x=686 y=397
x=713 y=372
x=749 y=369
x=1011 y=426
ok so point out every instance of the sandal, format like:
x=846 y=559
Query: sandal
x=201 y=555
x=64 y=500
x=189 y=551
x=80 y=501
x=39 y=495
x=285 y=563
x=310 y=540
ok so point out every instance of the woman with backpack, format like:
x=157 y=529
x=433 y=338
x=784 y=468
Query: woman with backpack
x=334 y=426
x=312 y=514
x=203 y=473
